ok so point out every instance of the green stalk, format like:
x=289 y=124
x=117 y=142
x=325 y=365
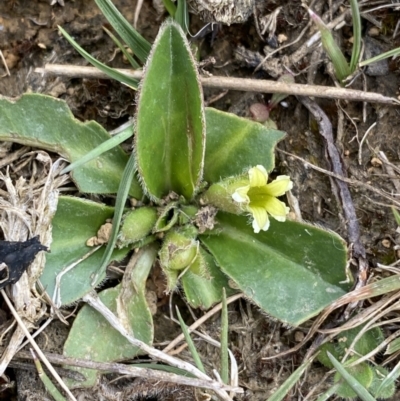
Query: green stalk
x=189 y=341
x=170 y=7
x=355 y=55
x=224 y=340
x=50 y=387
x=342 y=68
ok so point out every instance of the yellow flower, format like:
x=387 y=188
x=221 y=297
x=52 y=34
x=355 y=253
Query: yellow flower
x=259 y=197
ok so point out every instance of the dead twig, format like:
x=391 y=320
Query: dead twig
x=35 y=346
x=93 y=300
x=325 y=129
x=351 y=181
x=240 y=84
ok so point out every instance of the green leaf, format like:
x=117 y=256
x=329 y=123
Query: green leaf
x=340 y=64
x=91 y=336
x=47 y=123
x=235 y=144
x=203 y=291
x=356 y=17
x=136 y=42
x=182 y=15
x=393 y=346
x=192 y=348
x=224 y=340
x=386 y=382
x=75 y=221
x=383 y=386
x=96 y=152
x=290 y=382
x=170 y=137
x=356 y=379
x=396 y=215
x=111 y=72
x=170 y=7
x=292 y=271
x=125 y=52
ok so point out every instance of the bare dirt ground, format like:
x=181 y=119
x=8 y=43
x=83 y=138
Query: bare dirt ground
x=29 y=39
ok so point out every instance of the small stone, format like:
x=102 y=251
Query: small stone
x=376 y=162
x=282 y=38
x=299 y=336
x=374 y=31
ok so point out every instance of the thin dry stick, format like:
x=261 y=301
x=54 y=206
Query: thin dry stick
x=390 y=170
x=93 y=300
x=5 y=65
x=35 y=346
x=352 y=181
x=122 y=369
x=240 y=84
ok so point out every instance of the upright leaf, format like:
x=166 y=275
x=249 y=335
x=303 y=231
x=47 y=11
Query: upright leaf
x=170 y=137
x=291 y=271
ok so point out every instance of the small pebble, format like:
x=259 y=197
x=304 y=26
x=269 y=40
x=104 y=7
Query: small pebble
x=374 y=31
x=376 y=162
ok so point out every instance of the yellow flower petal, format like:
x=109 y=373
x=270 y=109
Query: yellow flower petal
x=260 y=216
x=258 y=176
x=276 y=209
x=279 y=186
x=240 y=195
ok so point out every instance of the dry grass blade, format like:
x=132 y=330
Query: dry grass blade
x=217 y=387
x=27 y=210
x=24 y=329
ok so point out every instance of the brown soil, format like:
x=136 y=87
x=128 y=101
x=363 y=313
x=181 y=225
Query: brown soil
x=29 y=38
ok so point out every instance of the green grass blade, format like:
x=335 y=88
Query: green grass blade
x=224 y=340
x=189 y=341
x=342 y=68
x=355 y=55
x=396 y=216
x=361 y=391
x=328 y=394
x=122 y=194
x=131 y=60
x=50 y=387
x=390 y=53
x=182 y=15
x=389 y=379
x=136 y=42
x=284 y=389
x=104 y=147
x=131 y=82
x=170 y=7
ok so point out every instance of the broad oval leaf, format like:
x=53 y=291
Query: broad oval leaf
x=93 y=338
x=234 y=144
x=47 y=123
x=204 y=290
x=292 y=271
x=170 y=136
x=75 y=221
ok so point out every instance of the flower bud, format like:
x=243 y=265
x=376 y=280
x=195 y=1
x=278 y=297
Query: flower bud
x=179 y=249
x=136 y=225
x=220 y=194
